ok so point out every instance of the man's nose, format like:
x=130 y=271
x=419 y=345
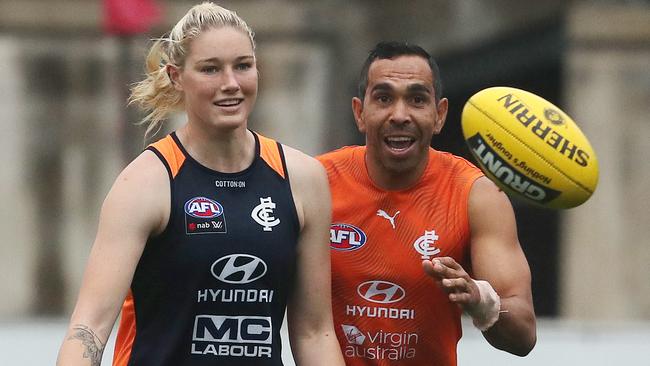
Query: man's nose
x=400 y=113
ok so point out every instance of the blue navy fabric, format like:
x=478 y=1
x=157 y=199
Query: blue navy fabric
x=213 y=287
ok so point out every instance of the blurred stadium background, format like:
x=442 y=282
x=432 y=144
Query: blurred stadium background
x=67 y=132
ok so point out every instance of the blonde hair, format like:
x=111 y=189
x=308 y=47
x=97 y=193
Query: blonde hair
x=156 y=93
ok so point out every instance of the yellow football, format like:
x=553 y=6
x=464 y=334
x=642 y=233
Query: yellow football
x=529 y=147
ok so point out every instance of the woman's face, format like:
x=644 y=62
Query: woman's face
x=219 y=79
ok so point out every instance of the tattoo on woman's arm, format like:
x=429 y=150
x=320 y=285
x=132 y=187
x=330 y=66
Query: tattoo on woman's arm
x=93 y=346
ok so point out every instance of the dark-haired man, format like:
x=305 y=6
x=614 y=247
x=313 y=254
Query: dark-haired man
x=410 y=224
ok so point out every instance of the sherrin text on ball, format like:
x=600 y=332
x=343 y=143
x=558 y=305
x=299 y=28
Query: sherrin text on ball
x=529 y=147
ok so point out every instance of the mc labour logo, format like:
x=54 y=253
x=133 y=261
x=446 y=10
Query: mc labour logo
x=263 y=214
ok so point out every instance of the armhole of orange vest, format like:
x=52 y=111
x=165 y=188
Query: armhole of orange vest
x=125 y=333
x=467 y=190
x=170 y=154
x=473 y=174
x=271 y=152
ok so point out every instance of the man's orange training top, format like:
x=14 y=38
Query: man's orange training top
x=387 y=311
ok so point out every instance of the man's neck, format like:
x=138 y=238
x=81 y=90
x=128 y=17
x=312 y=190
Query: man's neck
x=394 y=179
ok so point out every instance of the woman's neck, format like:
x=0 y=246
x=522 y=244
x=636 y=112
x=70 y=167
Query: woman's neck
x=228 y=151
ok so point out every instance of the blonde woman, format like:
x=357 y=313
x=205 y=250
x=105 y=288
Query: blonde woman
x=209 y=234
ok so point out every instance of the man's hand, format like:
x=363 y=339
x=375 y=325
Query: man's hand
x=476 y=298
x=455 y=281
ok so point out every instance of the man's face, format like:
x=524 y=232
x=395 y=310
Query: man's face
x=399 y=115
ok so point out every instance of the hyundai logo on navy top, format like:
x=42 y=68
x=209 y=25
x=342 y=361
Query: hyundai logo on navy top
x=238 y=268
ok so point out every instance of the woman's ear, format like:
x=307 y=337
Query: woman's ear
x=173 y=72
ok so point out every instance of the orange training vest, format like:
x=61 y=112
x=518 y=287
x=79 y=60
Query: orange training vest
x=387 y=311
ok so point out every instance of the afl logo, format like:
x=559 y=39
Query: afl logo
x=382 y=292
x=346 y=237
x=238 y=268
x=203 y=208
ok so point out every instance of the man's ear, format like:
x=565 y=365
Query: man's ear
x=174 y=76
x=441 y=115
x=357 y=109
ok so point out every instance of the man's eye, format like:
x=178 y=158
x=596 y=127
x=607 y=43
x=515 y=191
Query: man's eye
x=383 y=98
x=420 y=99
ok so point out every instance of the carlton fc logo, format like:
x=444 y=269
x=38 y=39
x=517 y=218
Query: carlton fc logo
x=346 y=237
x=263 y=214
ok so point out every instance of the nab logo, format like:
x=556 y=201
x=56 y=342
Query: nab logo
x=238 y=268
x=203 y=208
x=346 y=237
x=382 y=292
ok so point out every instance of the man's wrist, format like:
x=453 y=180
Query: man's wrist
x=486 y=312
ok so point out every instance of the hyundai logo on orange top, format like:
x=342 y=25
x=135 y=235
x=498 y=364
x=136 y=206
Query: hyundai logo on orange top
x=386 y=295
x=346 y=237
x=204 y=216
x=382 y=292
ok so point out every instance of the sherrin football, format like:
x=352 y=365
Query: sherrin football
x=529 y=147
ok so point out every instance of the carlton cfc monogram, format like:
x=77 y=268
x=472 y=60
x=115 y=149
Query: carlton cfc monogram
x=424 y=244
x=263 y=214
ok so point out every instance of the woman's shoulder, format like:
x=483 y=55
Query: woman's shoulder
x=146 y=166
x=144 y=178
x=302 y=166
x=141 y=190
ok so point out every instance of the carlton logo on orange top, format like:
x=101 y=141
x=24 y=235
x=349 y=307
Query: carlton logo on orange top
x=203 y=208
x=425 y=244
x=346 y=237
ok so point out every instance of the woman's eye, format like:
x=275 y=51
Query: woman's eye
x=209 y=69
x=244 y=66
